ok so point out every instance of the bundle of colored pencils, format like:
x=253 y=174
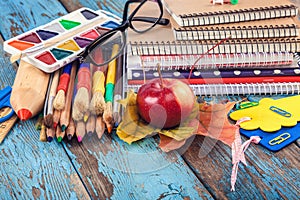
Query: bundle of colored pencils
x=80 y=100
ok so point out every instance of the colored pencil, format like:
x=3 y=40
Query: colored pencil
x=90 y=125
x=71 y=129
x=39 y=122
x=59 y=133
x=50 y=132
x=118 y=92
x=109 y=89
x=100 y=126
x=64 y=79
x=29 y=91
x=82 y=97
x=43 y=136
x=97 y=104
x=80 y=130
x=48 y=118
x=66 y=111
x=56 y=117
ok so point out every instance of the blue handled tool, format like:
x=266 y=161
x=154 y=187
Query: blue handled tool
x=5 y=102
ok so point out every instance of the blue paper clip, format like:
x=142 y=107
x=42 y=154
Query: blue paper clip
x=5 y=102
x=279 y=139
x=280 y=111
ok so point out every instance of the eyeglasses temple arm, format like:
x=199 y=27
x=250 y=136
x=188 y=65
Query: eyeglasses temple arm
x=162 y=21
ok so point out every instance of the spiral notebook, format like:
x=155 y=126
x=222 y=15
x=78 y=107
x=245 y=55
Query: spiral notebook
x=238 y=89
x=149 y=43
x=214 y=61
x=203 y=12
x=281 y=27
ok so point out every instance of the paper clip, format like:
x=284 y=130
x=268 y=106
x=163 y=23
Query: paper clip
x=279 y=139
x=247 y=104
x=280 y=111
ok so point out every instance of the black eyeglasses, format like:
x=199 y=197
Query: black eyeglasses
x=111 y=44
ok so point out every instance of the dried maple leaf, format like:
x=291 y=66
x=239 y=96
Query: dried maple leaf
x=167 y=144
x=214 y=122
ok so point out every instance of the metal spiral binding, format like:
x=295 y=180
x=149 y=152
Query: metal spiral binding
x=235 y=32
x=219 y=17
x=202 y=46
x=239 y=89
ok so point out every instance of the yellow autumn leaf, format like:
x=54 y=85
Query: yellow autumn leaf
x=132 y=127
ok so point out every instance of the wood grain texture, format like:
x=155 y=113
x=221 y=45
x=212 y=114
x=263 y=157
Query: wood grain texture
x=115 y=170
x=115 y=7
x=109 y=168
x=31 y=169
x=268 y=175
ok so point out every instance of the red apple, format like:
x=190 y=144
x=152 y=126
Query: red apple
x=165 y=103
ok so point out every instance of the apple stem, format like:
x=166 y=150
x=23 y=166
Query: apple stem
x=160 y=76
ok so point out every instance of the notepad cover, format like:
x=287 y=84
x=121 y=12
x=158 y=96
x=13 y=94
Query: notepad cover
x=270 y=115
x=285 y=136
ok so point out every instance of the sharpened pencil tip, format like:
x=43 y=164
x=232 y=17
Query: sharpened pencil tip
x=109 y=129
x=116 y=124
x=63 y=128
x=55 y=125
x=70 y=136
x=59 y=139
x=90 y=133
x=49 y=139
x=79 y=138
x=85 y=118
x=24 y=114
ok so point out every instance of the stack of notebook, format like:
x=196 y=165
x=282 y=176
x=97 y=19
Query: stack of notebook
x=221 y=49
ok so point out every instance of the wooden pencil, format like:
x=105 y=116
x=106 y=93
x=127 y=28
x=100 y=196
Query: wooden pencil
x=90 y=125
x=50 y=132
x=43 y=135
x=64 y=79
x=71 y=129
x=39 y=122
x=109 y=90
x=100 y=126
x=59 y=133
x=56 y=117
x=66 y=111
x=29 y=90
x=48 y=118
x=80 y=130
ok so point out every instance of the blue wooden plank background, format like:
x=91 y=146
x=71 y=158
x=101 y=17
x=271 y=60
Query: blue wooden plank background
x=109 y=168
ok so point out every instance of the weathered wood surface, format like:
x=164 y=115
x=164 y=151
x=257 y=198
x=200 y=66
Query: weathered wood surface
x=31 y=169
x=268 y=175
x=109 y=168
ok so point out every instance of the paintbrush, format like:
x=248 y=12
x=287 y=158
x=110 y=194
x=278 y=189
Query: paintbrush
x=82 y=97
x=64 y=79
x=98 y=102
x=48 y=118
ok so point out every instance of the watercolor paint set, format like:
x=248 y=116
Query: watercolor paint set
x=51 y=46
